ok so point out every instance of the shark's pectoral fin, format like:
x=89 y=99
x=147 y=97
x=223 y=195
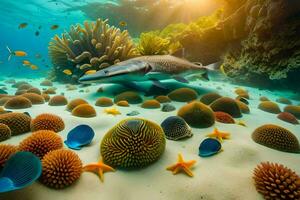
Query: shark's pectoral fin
x=180 y=79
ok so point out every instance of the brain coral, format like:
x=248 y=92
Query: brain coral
x=228 y=105
x=61 y=168
x=104 y=102
x=224 y=117
x=129 y=96
x=34 y=98
x=123 y=103
x=163 y=99
x=133 y=143
x=175 y=128
x=84 y=110
x=269 y=106
x=6 y=150
x=75 y=102
x=18 y=102
x=276 y=137
x=295 y=110
x=17 y=122
x=47 y=121
x=58 y=100
x=150 y=104
x=41 y=142
x=94 y=46
x=209 y=98
x=34 y=90
x=283 y=100
x=288 y=117
x=183 y=95
x=5 y=132
x=275 y=181
x=197 y=114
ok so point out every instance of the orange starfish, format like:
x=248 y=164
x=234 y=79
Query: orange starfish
x=98 y=168
x=182 y=165
x=219 y=135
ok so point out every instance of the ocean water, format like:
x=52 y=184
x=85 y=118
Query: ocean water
x=227 y=70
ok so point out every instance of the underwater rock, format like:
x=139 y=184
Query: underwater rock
x=150 y=104
x=133 y=113
x=47 y=121
x=18 y=102
x=288 y=117
x=5 y=132
x=168 y=107
x=34 y=98
x=47 y=83
x=41 y=142
x=295 y=110
x=284 y=100
x=209 y=98
x=275 y=181
x=129 y=96
x=175 y=128
x=276 y=137
x=18 y=123
x=34 y=90
x=58 y=100
x=269 y=106
x=25 y=87
x=3 y=100
x=163 y=99
x=74 y=103
x=104 y=102
x=263 y=98
x=228 y=105
x=133 y=143
x=197 y=114
x=209 y=147
x=20 y=92
x=123 y=103
x=183 y=95
x=61 y=168
x=84 y=110
x=6 y=150
x=224 y=117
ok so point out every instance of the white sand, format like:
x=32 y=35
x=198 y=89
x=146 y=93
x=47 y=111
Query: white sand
x=225 y=176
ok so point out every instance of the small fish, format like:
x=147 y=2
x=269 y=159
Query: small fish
x=26 y=63
x=15 y=53
x=90 y=72
x=67 y=72
x=53 y=27
x=37 y=33
x=122 y=23
x=34 y=67
x=112 y=111
x=23 y=25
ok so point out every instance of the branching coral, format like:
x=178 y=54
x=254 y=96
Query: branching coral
x=93 y=46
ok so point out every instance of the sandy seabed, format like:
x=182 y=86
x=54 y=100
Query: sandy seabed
x=225 y=176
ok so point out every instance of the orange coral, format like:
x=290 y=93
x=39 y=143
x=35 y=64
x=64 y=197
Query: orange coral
x=288 y=117
x=224 y=117
x=84 y=110
x=58 y=100
x=150 y=104
x=6 y=150
x=284 y=100
x=228 y=105
x=209 y=98
x=34 y=98
x=163 y=99
x=263 y=98
x=123 y=104
x=34 y=90
x=50 y=91
x=269 y=106
x=4 y=99
x=74 y=103
x=18 y=102
x=129 y=96
x=183 y=95
x=47 y=121
x=17 y=122
x=104 y=102
x=295 y=110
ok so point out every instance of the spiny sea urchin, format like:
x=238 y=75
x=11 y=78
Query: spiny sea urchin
x=47 y=121
x=6 y=150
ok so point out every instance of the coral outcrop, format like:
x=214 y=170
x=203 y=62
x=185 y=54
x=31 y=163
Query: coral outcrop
x=47 y=121
x=84 y=110
x=5 y=132
x=228 y=105
x=18 y=123
x=6 y=150
x=183 y=95
x=18 y=102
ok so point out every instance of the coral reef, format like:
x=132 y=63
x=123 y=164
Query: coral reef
x=175 y=128
x=41 y=142
x=58 y=100
x=84 y=110
x=243 y=107
x=34 y=90
x=74 y=103
x=5 y=132
x=50 y=90
x=197 y=114
x=34 y=98
x=47 y=83
x=224 y=117
x=129 y=96
x=263 y=98
x=47 y=121
x=6 y=150
x=150 y=104
x=133 y=143
x=3 y=100
x=61 y=168
x=228 y=105
x=104 y=102
x=269 y=106
x=18 y=123
x=275 y=181
x=284 y=100
x=18 y=102
x=295 y=110
x=46 y=97
x=183 y=95
x=94 y=46
x=209 y=98
x=123 y=103
x=163 y=99
x=288 y=117
x=276 y=137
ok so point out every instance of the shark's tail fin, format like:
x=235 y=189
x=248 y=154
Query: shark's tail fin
x=10 y=53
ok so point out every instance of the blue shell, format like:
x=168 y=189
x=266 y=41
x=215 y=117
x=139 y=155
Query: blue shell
x=80 y=136
x=20 y=170
x=209 y=147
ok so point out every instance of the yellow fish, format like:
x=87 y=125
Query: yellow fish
x=26 y=63
x=22 y=25
x=15 y=53
x=112 y=111
x=34 y=67
x=123 y=23
x=67 y=72
x=90 y=72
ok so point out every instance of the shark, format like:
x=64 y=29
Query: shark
x=154 y=68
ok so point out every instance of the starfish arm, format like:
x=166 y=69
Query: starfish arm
x=188 y=171
x=100 y=174
x=190 y=163
x=90 y=167
x=172 y=167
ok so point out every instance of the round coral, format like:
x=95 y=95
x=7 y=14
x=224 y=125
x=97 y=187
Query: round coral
x=224 y=117
x=284 y=100
x=24 y=87
x=58 y=100
x=18 y=102
x=46 y=97
x=175 y=128
x=20 y=92
x=84 y=110
x=17 y=122
x=34 y=98
x=133 y=143
x=104 y=102
x=243 y=107
x=209 y=98
x=34 y=90
x=295 y=110
x=5 y=132
x=151 y=104
x=74 y=103
x=263 y=98
x=197 y=114
x=269 y=106
x=228 y=105
x=123 y=104
x=6 y=150
x=46 y=83
x=239 y=91
x=61 y=168
x=3 y=100
x=130 y=97
x=47 y=121
x=163 y=99
x=50 y=91
x=19 y=83
x=276 y=137
x=41 y=142
x=183 y=95
x=288 y=117
x=275 y=181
